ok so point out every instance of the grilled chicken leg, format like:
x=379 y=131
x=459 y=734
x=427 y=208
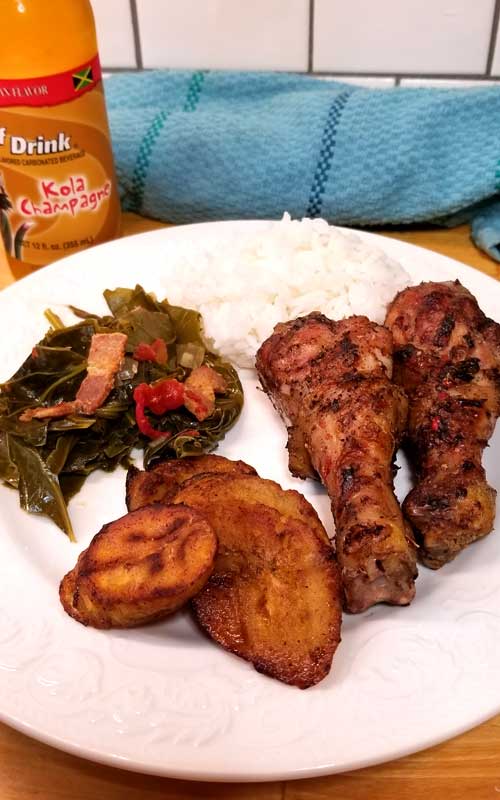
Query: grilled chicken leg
x=330 y=381
x=447 y=358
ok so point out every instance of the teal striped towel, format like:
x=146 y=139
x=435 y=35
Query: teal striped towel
x=195 y=146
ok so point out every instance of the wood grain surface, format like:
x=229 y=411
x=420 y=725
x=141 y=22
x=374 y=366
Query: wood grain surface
x=465 y=767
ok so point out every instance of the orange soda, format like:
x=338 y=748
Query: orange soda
x=58 y=191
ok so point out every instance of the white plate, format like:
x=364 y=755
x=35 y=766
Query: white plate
x=166 y=700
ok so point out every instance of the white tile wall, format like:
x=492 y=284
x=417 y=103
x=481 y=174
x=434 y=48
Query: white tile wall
x=114 y=32
x=225 y=34
x=364 y=42
x=431 y=36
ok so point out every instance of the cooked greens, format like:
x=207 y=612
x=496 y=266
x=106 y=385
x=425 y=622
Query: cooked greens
x=47 y=460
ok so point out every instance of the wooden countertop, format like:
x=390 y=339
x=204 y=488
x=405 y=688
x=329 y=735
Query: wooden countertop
x=465 y=767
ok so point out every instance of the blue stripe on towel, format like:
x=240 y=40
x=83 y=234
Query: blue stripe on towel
x=326 y=155
x=135 y=198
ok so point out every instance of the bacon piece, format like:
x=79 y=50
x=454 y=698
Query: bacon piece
x=50 y=412
x=200 y=390
x=104 y=360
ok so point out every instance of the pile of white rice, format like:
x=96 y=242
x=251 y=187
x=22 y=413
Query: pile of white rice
x=244 y=284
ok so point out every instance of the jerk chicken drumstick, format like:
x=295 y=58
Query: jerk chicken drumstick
x=447 y=358
x=330 y=381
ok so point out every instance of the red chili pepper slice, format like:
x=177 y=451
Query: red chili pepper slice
x=435 y=424
x=144 y=424
x=159 y=398
x=156 y=351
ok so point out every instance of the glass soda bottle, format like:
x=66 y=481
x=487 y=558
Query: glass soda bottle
x=58 y=191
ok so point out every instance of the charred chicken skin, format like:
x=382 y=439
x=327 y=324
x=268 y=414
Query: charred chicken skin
x=447 y=358
x=330 y=381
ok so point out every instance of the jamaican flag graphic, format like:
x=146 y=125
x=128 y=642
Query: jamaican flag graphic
x=83 y=78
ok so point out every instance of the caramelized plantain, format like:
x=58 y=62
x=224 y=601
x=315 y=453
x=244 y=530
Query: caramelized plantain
x=160 y=483
x=274 y=597
x=140 y=567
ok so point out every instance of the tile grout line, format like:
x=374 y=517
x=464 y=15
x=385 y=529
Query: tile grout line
x=493 y=37
x=137 y=35
x=311 y=37
x=397 y=77
x=325 y=74
x=114 y=70
x=403 y=75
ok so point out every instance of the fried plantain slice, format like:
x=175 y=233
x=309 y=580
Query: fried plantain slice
x=286 y=502
x=160 y=483
x=274 y=597
x=67 y=589
x=140 y=567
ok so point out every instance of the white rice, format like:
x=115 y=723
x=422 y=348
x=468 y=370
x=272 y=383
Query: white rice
x=245 y=284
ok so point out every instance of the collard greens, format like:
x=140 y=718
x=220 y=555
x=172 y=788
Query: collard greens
x=48 y=460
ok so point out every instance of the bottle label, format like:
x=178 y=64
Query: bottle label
x=57 y=187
